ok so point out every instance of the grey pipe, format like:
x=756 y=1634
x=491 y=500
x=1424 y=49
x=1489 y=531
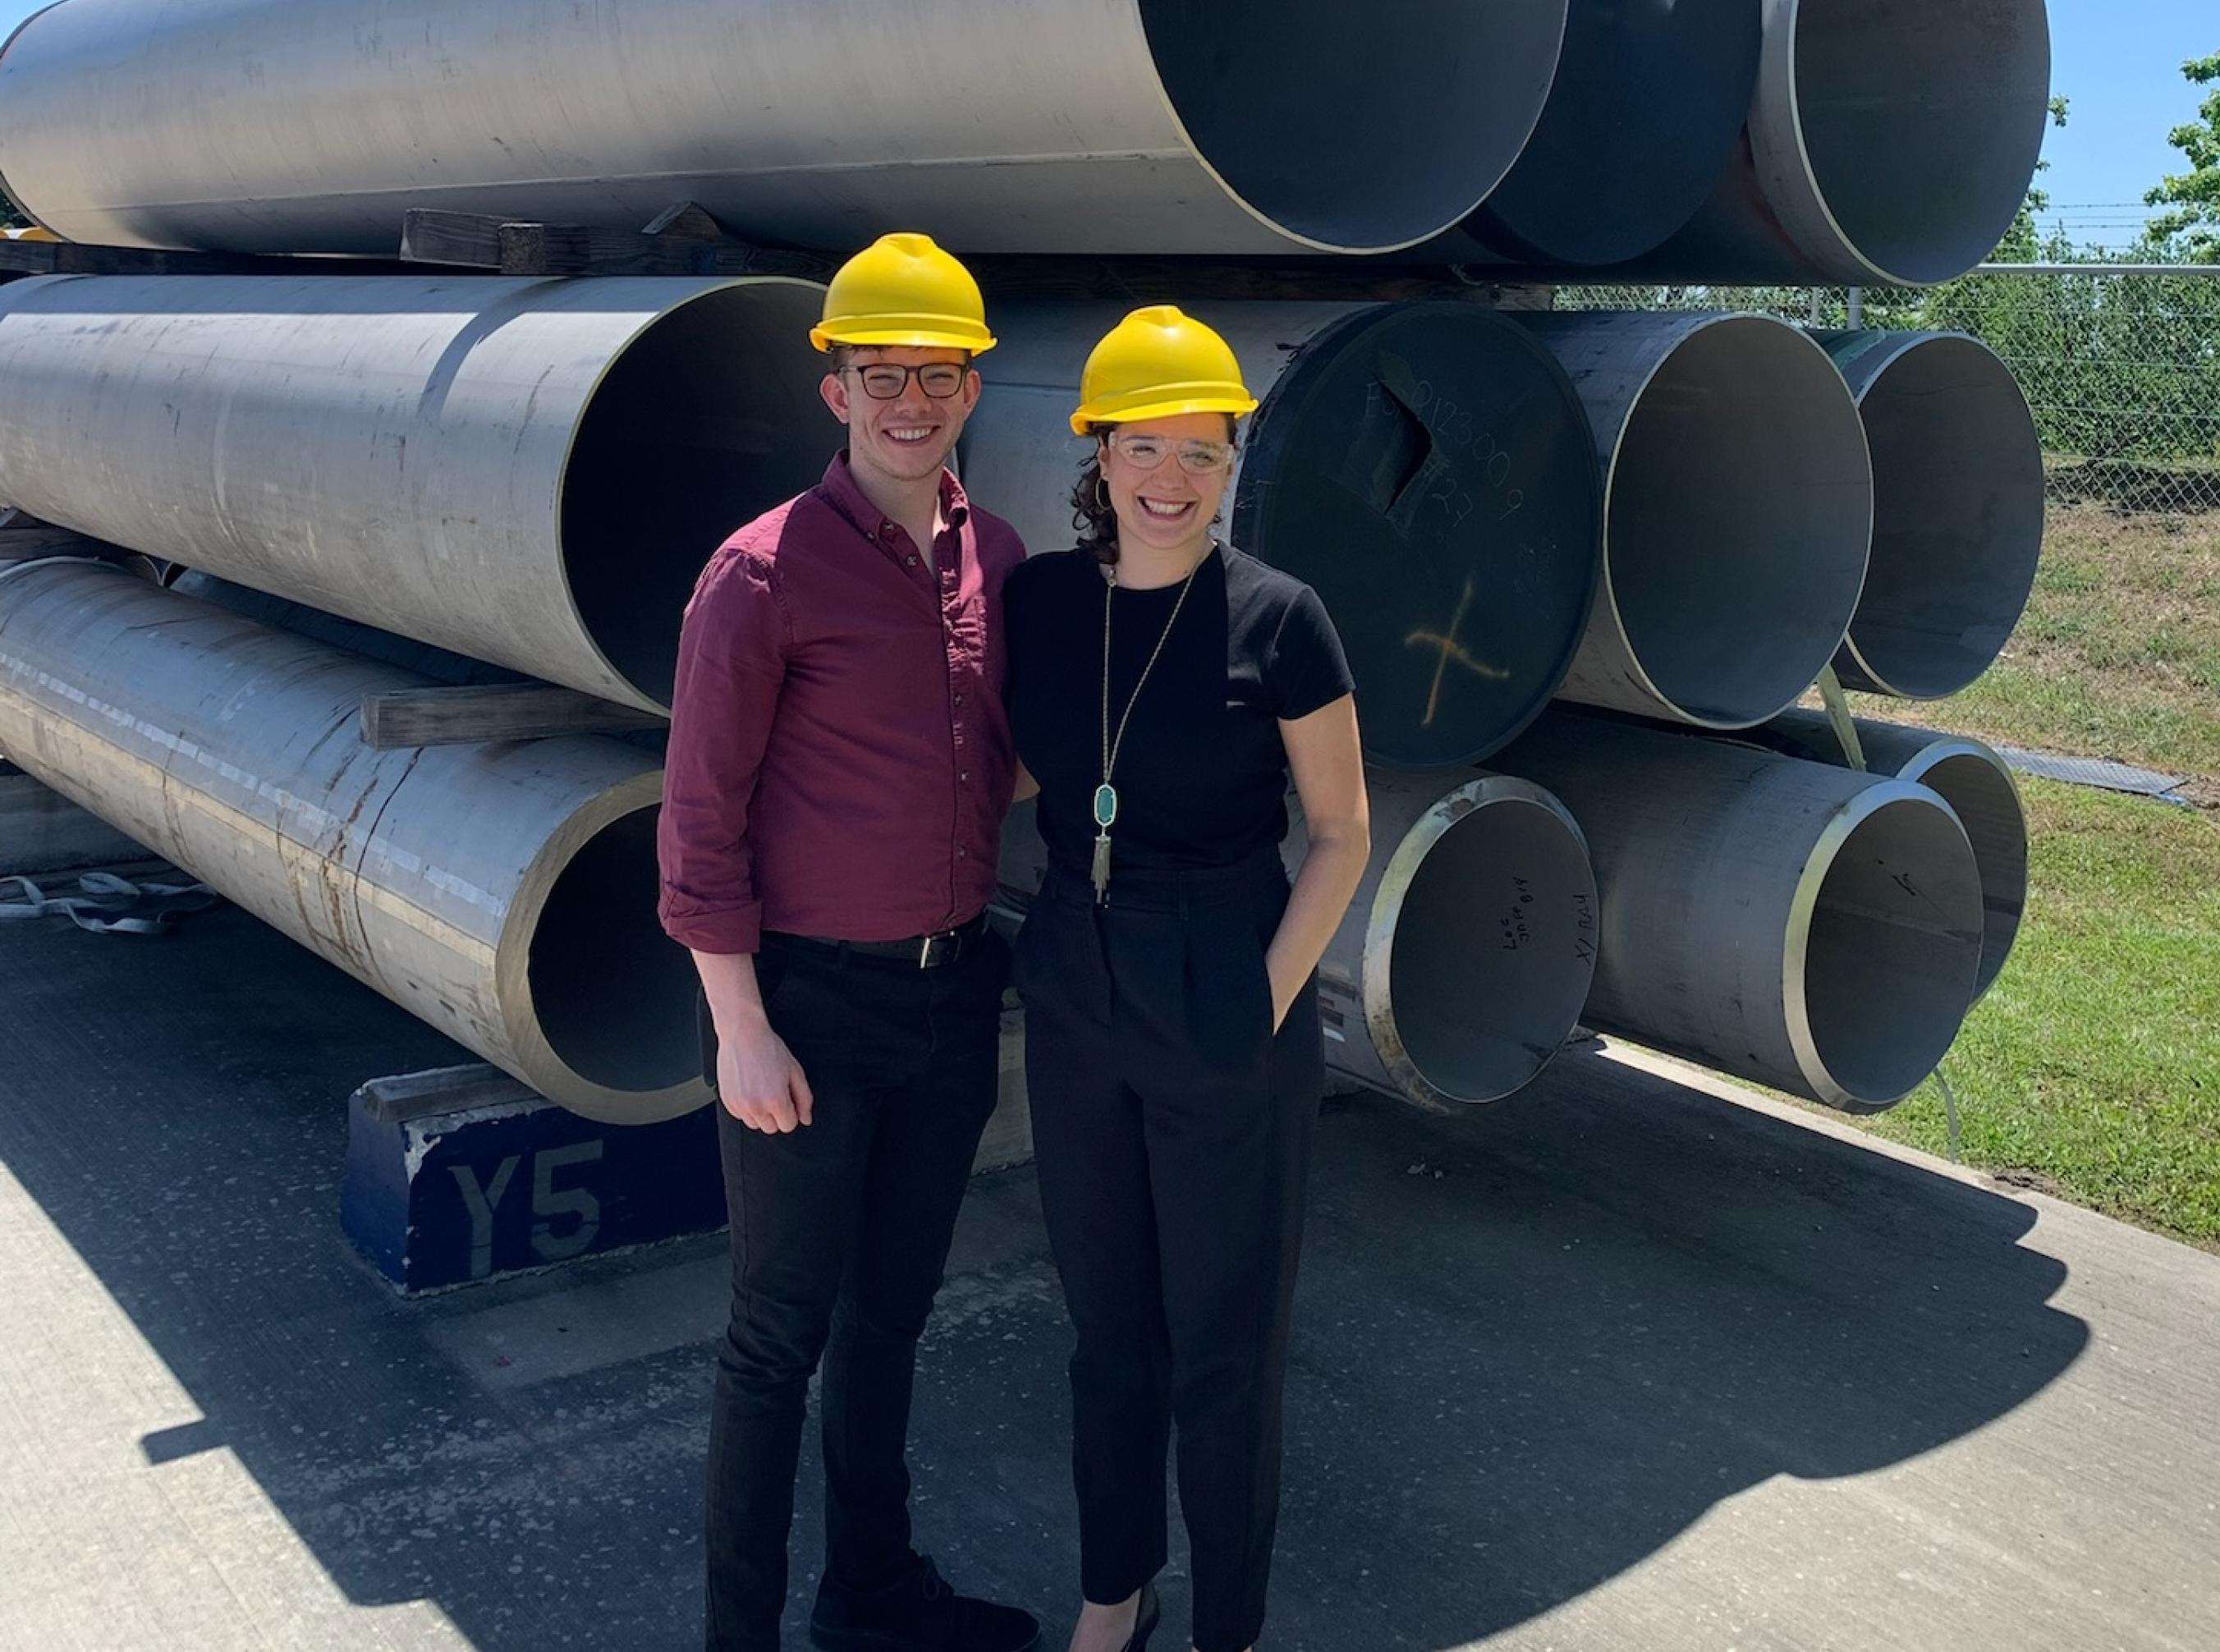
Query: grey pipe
x=1467 y=953
x=1465 y=958
x=1093 y=125
x=1958 y=510
x=1973 y=779
x=1425 y=467
x=1889 y=142
x=1738 y=511
x=505 y=893
x=527 y=473
x=1788 y=922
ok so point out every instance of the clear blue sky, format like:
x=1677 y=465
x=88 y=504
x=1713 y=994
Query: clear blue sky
x=2119 y=60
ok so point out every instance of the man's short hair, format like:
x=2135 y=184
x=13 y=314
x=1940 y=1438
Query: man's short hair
x=842 y=357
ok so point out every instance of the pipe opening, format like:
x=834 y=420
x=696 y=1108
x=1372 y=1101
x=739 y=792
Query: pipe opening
x=709 y=418
x=614 y=996
x=1892 y=952
x=1988 y=805
x=1647 y=103
x=1493 y=954
x=1922 y=123
x=1958 y=516
x=1356 y=131
x=1738 y=520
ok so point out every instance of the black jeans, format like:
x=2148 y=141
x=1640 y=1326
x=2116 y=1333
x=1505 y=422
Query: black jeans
x=839 y=1234
x=1172 y=1133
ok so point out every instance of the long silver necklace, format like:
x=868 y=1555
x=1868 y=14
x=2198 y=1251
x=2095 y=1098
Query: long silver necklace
x=1106 y=795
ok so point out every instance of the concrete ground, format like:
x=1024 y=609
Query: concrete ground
x=1631 y=1362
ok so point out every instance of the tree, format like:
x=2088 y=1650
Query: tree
x=2194 y=195
x=2023 y=243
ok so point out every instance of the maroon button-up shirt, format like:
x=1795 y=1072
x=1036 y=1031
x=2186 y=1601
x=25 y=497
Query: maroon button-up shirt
x=840 y=760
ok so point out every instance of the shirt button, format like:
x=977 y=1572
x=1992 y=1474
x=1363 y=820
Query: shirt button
x=963 y=854
x=964 y=775
x=911 y=561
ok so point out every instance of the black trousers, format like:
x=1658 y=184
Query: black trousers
x=1172 y=1132
x=839 y=1234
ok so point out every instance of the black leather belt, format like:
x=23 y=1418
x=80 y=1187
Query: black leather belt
x=934 y=952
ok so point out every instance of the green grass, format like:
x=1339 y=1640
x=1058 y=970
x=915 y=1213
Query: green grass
x=2093 y=1069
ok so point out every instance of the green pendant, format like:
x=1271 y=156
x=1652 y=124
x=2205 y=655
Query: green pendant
x=1106 y=805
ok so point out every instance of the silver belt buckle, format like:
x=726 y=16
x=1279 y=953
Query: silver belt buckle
x=927 y=950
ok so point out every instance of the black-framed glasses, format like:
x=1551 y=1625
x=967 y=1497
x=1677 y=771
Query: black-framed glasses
x=885 y=380
x=1198 y=456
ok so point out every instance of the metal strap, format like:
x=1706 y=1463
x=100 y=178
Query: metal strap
x=107 y=905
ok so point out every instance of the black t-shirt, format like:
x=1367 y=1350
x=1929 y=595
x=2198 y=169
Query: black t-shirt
x=1203 y=777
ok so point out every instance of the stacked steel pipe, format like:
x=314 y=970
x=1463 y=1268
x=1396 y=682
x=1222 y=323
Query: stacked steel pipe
x=1670 y=525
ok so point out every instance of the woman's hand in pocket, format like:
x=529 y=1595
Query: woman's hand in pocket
x=1284 y=991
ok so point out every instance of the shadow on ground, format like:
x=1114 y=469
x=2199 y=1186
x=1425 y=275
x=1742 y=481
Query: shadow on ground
x=1535 y=1345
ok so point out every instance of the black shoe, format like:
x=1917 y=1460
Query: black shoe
x=921 y=1613
x=1145 y=1620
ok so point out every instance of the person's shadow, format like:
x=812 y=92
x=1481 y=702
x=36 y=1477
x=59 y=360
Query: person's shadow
x=1535 y=1343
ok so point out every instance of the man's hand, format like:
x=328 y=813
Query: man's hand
x=759 y=1082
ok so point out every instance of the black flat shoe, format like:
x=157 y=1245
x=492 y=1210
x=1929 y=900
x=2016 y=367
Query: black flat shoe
x=1145 y=1620
x=920 y=1613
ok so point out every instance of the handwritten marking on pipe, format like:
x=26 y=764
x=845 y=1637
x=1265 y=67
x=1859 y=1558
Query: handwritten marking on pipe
x=1452 y=651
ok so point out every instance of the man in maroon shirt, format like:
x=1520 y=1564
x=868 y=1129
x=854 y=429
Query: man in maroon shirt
x=839 y=771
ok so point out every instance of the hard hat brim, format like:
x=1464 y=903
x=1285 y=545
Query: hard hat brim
x=918 y=331
x=1164 y=401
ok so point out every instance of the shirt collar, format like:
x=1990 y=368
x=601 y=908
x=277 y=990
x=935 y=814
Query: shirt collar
x=842 y=492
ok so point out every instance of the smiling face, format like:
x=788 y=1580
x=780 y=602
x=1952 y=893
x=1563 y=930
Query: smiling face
x=1166 y=506
x=908 y=437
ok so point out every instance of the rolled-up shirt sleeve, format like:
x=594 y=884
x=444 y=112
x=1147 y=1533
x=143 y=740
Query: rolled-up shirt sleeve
x=731 y=660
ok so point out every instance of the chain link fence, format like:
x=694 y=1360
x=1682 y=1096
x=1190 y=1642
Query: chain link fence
x=2121 y=366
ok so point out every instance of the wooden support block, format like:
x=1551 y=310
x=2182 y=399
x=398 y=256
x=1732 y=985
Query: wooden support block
x=473 y=713
x=462 y=1175
x=691 y=245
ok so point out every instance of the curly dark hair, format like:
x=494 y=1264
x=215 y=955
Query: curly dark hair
x=1090 y=506
x=1091 y=513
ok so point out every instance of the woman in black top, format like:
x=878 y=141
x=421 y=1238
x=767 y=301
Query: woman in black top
x=1162 y=688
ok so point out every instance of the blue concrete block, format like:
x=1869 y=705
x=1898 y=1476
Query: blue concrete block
x=463 y=1174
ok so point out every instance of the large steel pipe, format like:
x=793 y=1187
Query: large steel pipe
x=1425 y=467
x=1465 y=959
x=1737 y=512
x=1649 y=99
x=505 y=893
x=1798 y=925
x=1958 y=504
x=1105 y=126
x=528 y=472
x=1889 y=142
x=1468 y=952
x=1973 y=779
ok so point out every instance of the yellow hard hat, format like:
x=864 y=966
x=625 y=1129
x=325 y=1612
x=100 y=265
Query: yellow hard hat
x=33 y=234
x=1156 y=363
x=903 y=289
